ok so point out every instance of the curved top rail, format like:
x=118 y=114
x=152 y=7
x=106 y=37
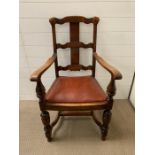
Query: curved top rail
x=74 y=19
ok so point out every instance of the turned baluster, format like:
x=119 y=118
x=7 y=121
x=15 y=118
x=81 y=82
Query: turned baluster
x=106 y=117
x=45 y=117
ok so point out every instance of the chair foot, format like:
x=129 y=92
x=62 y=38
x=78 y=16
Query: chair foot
x=106 y=120
x=45 y=117
x=104 y=124
x=49 y=139
x=104 y=132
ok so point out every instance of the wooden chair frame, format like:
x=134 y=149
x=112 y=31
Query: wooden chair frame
x=86 y=109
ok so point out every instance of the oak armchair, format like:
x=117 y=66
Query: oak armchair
x=67 y=95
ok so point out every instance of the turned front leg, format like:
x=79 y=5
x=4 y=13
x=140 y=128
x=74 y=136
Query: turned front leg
x=106 y=120
x=106 y=117
x=45 y=117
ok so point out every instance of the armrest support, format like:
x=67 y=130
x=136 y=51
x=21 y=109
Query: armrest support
x=36 y=75
x=116 y=75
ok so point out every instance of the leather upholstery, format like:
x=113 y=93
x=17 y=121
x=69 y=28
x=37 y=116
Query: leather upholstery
x=75 y=90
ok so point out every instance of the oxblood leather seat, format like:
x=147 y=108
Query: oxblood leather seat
x=75 y=90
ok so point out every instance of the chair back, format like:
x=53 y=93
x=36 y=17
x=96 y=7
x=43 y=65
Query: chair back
x=74 y=44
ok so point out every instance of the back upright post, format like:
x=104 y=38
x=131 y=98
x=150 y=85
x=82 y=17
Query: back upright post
x=52 y=22
x=96 y=20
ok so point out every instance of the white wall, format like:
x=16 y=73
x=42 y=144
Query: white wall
x=115 y=40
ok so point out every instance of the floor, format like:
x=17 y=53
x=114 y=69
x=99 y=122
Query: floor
x=77 y=135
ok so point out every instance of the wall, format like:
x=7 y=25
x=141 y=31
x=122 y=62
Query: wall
x=115 y=38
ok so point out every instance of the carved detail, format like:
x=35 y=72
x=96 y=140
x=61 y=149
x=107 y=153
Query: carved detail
x=74 y=45
x=46 y=122
x=75 y=67
x=111 y=90
x=106 y=120
x=74 y=19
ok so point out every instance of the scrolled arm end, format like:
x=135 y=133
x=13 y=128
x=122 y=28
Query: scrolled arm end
x=116 y=75
x=36 y=75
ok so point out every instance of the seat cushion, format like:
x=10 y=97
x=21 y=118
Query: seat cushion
x=75 y=90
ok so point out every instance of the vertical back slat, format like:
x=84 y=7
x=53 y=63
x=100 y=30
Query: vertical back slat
x=74 y=37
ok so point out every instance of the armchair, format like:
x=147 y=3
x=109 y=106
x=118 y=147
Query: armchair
x=75 y=96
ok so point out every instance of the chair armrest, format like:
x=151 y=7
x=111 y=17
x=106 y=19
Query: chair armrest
x=116 y=75
x=36 y=75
